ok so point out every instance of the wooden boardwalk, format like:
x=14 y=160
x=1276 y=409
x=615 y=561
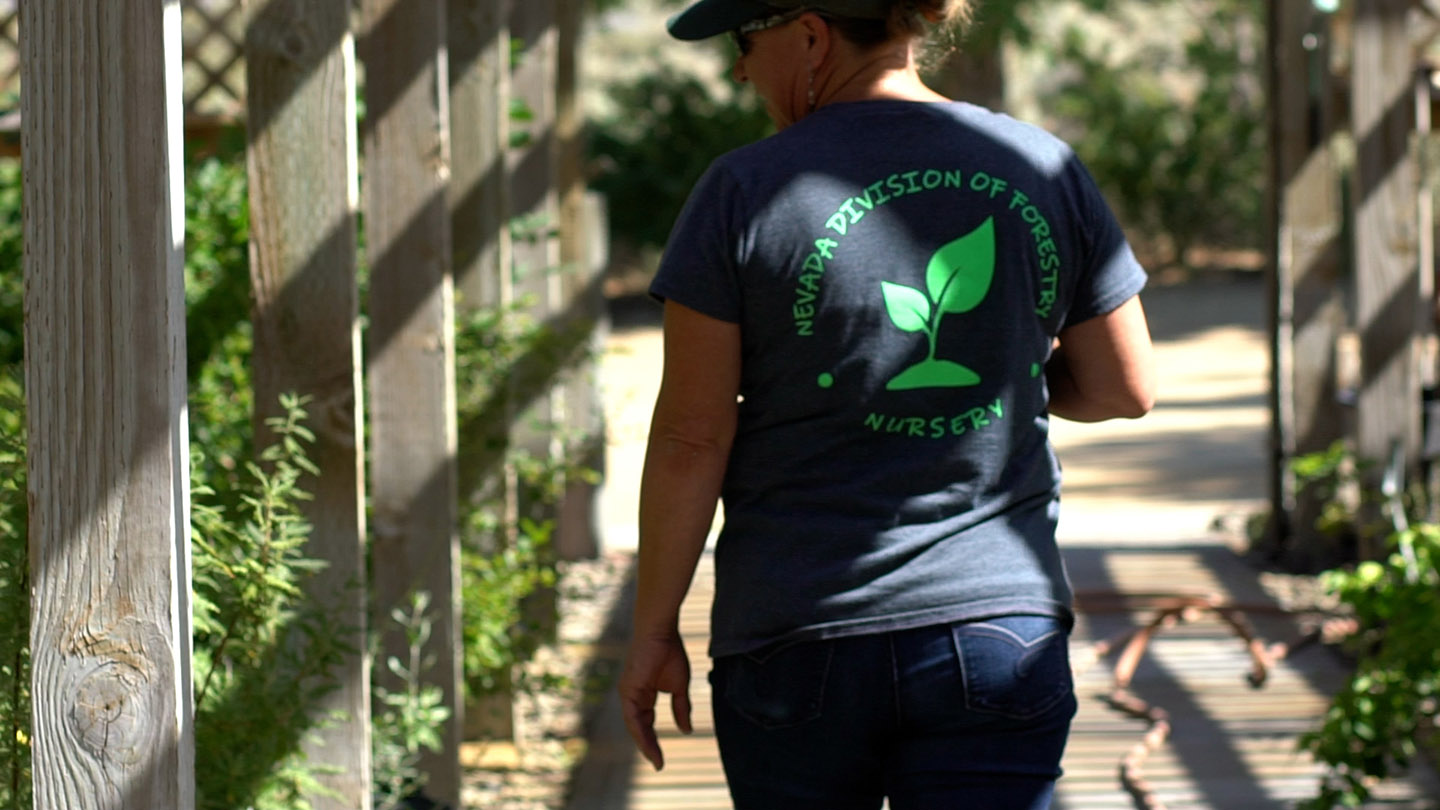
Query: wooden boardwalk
x=1232 y=745
x=1139 y=501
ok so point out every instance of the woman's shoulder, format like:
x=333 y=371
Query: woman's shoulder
x=1038 y=144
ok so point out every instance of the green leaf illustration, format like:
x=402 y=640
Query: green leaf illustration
x=908 y=307
x=960 y=273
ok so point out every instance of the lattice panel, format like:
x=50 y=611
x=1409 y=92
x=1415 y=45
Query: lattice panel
x=9 y=55
x=214 y=36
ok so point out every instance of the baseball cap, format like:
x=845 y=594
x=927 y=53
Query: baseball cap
x=706 y=18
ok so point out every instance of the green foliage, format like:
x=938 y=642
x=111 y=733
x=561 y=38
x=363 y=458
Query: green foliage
x=1377 y=721
x=997 y=21
x=411 y=719
x=503 y=359
x=217 y=259
x=1349 y=512
x=1332 y=477
x=264 y=655
x=217 y=323
x=14 y=600
x=495 y=586
x=670 y=126
x=1176 y=139
x=12 y=276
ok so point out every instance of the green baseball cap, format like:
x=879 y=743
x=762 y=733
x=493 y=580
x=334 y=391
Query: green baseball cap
x=706 y=18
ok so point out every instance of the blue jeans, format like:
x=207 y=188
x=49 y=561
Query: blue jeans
x=964 y=716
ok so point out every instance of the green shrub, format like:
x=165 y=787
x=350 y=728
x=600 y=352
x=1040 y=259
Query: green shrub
x=264 y=654
x=12 y=279
x=14 y=600
x=1378 y=720
x=1183 y=166
x=670 y=127
x=504 y=357
x=217 y=322
x=410 y=720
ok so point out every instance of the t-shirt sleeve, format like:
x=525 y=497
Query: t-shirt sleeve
x=1110 y=274
x=700 y=266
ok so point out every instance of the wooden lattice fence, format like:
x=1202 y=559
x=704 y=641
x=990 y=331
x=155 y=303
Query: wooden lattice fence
x=214 y=67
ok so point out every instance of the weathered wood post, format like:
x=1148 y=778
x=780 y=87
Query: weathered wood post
x=1388 y=304
x=412 y=349
x=479 y=64
x=1306 y=305
x=300 y=77
x=105 y=379
x=533 y=200
x=576 y=536
x=534 y=402
x=479 y=44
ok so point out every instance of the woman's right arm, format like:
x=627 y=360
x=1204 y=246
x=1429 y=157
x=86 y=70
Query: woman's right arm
x=1104 y=367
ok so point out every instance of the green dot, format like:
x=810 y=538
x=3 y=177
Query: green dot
x=826 y=380
x=1034 y=369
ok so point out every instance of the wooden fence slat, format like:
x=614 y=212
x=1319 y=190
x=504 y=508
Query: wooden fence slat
x=535 y=404
x=412 y=349
x=303 y=205
x=105 y=368
x=576 y=536
x=1307 y=308
x=479 y=41
x=1387 y=286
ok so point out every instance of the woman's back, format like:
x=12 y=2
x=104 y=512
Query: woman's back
x=899 y=271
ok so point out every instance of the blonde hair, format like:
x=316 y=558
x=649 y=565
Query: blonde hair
x=939 y=24
x=937 y=12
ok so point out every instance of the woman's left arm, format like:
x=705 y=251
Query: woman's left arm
x=689 y=446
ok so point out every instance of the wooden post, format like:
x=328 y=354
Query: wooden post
x=1387 y=288
x=300 y=77
x=576 y=536
x=412 y=349
x=479 y=42
x=105 y=373
x=534 y=404
x=1307 y=311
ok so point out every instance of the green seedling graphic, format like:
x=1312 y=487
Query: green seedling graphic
x=957 y=280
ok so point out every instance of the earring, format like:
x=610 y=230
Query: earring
x=810 y=91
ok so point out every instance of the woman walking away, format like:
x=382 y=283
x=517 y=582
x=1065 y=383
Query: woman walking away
x=870 y=318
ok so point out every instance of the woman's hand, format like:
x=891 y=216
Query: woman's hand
x=654 y=665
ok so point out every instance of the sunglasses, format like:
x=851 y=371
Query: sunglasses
x=741 y=35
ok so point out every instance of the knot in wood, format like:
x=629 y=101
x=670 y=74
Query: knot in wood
x=294 y=45
x=109 y=716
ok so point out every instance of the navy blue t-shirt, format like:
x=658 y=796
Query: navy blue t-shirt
x=899 y=271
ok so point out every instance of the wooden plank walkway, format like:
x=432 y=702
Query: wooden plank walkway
x=1139 y=499
x=1232 y=747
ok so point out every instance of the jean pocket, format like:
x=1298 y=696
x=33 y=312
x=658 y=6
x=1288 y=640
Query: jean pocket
x=777 y=688
x=1014 y=666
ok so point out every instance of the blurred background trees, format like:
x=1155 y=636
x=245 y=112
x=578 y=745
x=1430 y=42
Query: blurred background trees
x=1163 y=100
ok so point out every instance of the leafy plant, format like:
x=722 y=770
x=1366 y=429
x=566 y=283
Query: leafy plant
x=411 y=721
x=218 y=332
x=14 y=600
x=495 y=587
x=1377 y=722
x=264 y=655
x=504 y=358
x=1175 y=138
x=12 y=278
x=670 y=126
